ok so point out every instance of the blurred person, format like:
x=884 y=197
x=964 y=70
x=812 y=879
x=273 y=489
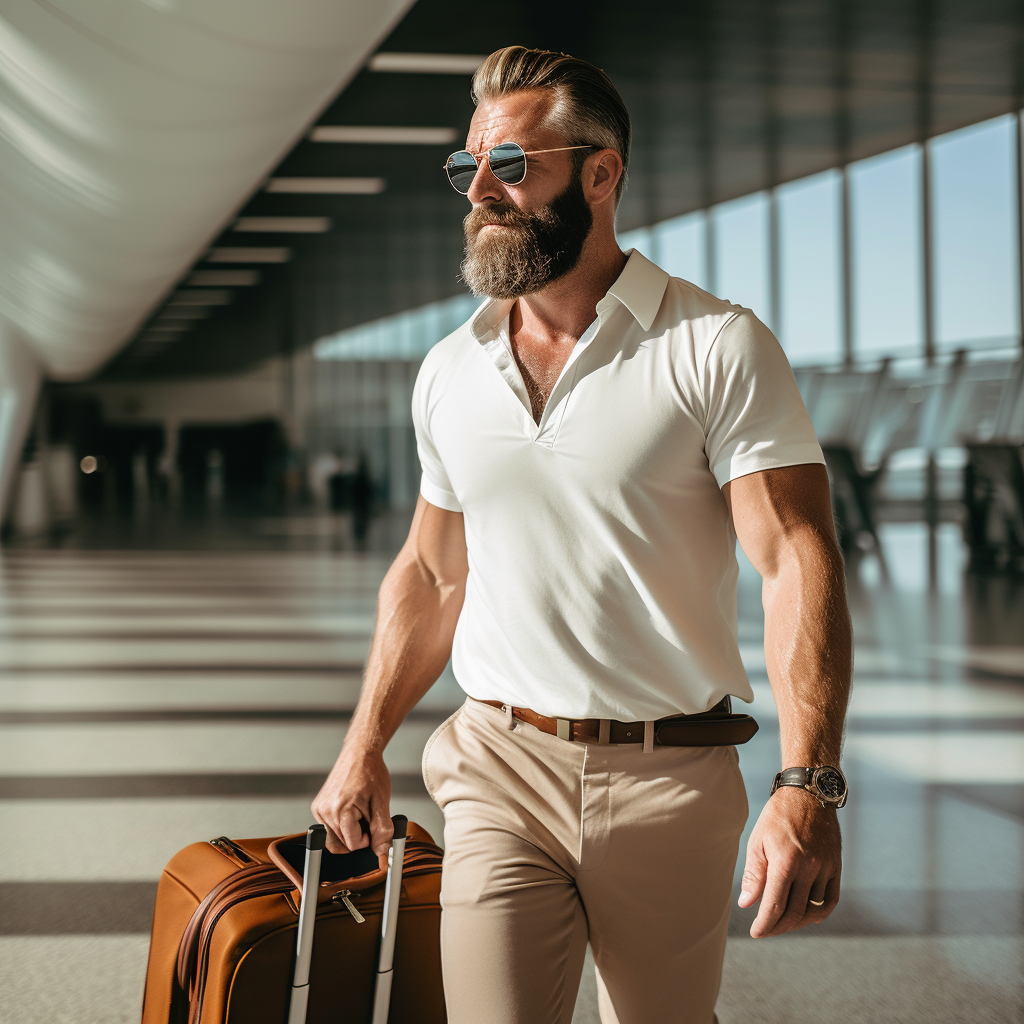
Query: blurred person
x=362 y=501
x=593 y=442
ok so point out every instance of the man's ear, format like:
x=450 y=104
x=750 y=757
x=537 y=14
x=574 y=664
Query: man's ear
x=601 y=174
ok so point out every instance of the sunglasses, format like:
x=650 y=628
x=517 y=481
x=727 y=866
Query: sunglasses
x=507 y=162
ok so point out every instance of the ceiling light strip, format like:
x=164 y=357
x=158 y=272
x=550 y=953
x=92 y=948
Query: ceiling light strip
x=288 y=225
x=426 y=63
x=328 y=186
x=201 y=297
x=223 y=278
x=383 y=135
x=248 y=254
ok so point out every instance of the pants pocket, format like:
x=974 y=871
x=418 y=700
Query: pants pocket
x=425 y=766
x=734 y=758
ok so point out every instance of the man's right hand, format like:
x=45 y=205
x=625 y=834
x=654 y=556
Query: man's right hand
x=355 y=803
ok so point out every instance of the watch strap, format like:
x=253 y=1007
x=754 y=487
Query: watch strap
x=804 y=779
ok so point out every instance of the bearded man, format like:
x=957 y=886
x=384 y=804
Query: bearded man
x=593 y=442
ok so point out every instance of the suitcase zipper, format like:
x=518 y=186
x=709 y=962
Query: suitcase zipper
x=343 y=897
x=232 y=848
x=206 y=935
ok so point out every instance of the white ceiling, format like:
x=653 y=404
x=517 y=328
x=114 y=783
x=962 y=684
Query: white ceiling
x=131 y=130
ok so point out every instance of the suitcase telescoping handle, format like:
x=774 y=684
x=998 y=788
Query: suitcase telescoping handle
x=316 y=840
x=389 y=922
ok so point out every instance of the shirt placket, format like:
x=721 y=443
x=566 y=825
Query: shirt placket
x=554 y=410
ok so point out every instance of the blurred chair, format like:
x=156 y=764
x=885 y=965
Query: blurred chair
x=994 y=474
x=842 y=404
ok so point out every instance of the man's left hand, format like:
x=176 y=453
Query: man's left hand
x=794 y=856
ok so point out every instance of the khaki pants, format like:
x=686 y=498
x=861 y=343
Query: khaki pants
x=550 y=844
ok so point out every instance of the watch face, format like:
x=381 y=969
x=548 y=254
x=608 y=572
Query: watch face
x=829 y=783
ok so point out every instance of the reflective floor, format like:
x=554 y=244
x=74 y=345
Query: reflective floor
x=150 y=698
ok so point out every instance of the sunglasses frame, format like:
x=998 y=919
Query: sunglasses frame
x=526 y=152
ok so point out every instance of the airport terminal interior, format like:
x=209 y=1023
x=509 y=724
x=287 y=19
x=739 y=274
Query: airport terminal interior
x=227 y=243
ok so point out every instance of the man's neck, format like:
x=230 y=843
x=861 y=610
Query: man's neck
x=563 y=310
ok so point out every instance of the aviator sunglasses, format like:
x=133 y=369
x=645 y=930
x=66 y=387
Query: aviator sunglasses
x=507 y=162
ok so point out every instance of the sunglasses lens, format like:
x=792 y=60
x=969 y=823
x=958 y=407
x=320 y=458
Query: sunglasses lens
x=508 y=163
x=461 y=168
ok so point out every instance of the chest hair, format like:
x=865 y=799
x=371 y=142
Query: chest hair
x=540 y=367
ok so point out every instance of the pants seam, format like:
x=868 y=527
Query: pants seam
x=583 y=801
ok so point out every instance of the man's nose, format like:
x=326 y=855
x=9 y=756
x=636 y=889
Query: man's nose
x=485 y=185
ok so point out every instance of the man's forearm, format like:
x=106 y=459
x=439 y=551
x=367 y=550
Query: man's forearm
x=808 y=650
x=412 y=641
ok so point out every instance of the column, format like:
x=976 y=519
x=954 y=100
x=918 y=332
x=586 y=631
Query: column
x=846 y=256
x=20 y=377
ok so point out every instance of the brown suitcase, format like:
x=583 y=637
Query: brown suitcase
x=227 y=918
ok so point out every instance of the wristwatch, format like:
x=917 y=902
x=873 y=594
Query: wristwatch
x=826 y=782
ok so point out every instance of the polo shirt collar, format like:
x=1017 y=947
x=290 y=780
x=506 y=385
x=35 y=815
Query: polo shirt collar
x=640 y=288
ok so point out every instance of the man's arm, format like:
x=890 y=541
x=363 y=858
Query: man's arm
x=417 y=609
x=783 y=520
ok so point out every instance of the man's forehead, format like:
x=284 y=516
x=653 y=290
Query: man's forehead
x=519 y=113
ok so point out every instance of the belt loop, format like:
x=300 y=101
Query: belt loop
x=510 y=722
x=604 y=734
x=648 y=737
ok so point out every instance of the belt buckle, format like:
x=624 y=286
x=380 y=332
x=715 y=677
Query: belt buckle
x=563 y=728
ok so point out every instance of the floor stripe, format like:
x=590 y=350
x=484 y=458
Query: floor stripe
x=872 y=723
x=422 y=714
x=184 y=665
x=96 y=908
x=198 y=714
x=1007 y=799
x=208 y=784
x=885 y=911
x=191 y=636
x=957 y=757
x=76 y=908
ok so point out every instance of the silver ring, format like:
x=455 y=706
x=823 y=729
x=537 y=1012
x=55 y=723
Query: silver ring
x=816 y=903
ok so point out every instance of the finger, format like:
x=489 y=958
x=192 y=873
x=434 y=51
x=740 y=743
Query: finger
x=349 y=828
x=382 y=830
x=797 y=906
x=755 y=871
x=831 y=898
x=331 y=840
x=773 y=902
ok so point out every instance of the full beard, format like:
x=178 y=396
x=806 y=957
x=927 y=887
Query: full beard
x=530 y=250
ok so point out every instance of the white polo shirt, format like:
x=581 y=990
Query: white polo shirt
x=602 y=557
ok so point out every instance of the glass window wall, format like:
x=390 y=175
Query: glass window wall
x=885 y=194
x=682 y=247
x=974 y=233
x=741 y=252
x=976 y=275
x=810 y=257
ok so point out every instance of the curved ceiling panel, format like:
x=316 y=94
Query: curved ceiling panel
x=130 y=131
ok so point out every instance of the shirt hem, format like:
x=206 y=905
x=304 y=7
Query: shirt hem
x=439 y=496
x=769 y=458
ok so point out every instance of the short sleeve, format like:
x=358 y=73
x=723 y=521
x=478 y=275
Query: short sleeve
x=434 y=484
x=755 y=416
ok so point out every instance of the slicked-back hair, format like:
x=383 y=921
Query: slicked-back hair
x=588 y=109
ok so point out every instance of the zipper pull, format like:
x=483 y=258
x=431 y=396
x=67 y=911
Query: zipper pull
x=343 y=897
x=231 y=847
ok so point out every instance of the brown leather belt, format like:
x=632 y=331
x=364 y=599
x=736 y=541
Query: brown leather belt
x=715 y=727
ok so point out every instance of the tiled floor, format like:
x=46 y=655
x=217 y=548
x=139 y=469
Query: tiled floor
x=152 y=697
